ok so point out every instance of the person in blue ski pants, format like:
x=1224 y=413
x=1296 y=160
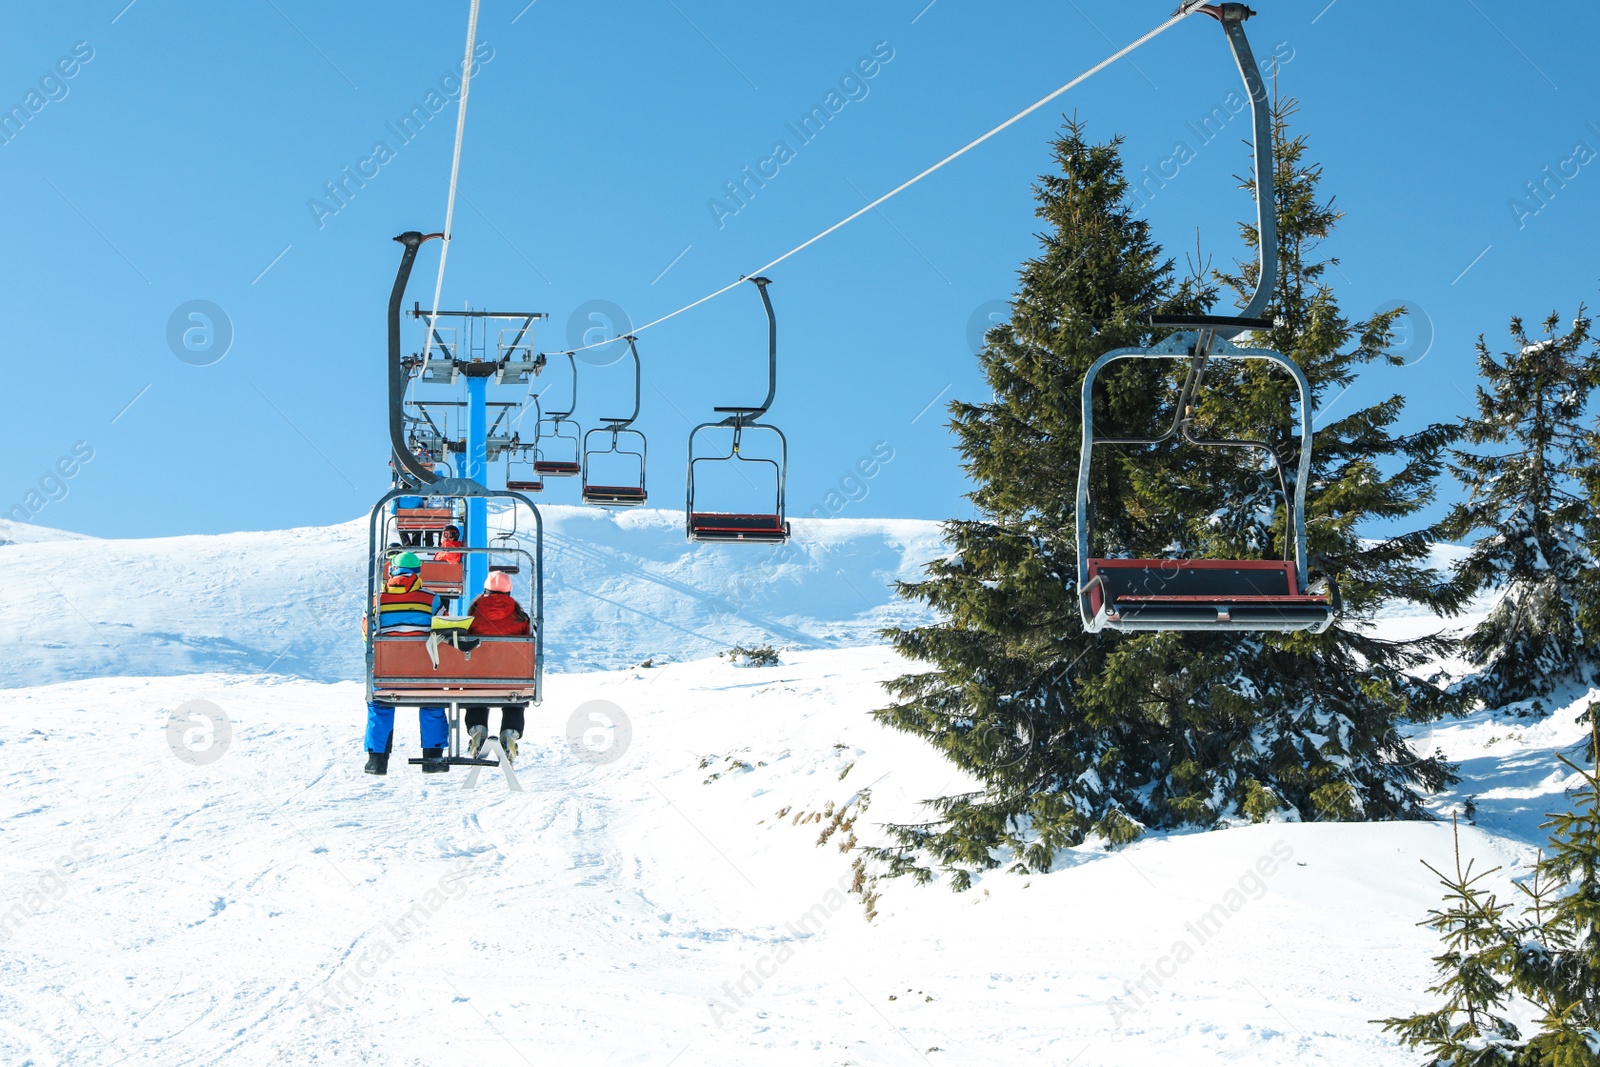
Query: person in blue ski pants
x=404 y=607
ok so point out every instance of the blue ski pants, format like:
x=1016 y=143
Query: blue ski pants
x=380 y=727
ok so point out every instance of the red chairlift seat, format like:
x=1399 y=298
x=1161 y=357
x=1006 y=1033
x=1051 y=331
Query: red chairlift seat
x=712 y=526
x=557 y=468
x=524 y=486
x=428 y=520
x=500 y=670
x=614 y=495
x=442 y=579
x=1138 y=594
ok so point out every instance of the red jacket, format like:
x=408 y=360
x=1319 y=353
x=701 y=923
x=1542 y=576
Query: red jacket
x=448 y=557
x=498 y=615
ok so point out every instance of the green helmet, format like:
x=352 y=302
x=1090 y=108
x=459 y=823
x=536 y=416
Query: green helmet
x=408 y=561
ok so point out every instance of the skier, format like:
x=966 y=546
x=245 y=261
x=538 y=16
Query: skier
x=404 y=607
x=496 y=613
x=411 y=538
x=451 y=539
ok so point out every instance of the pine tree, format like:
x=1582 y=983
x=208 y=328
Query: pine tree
x=1073 y=734
x=1549 y=958
x=1527 y=490
x=1005 y=702
x=1558 y=965
x=1468 y=1029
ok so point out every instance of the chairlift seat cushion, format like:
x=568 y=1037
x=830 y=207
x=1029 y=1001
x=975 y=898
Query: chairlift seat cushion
x=719 y=526
x=525 y=487
x=613 y=494
x=1203 y=594
x=557 y=468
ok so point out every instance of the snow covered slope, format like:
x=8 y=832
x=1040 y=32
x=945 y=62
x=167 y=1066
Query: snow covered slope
x=621 y=587
x=668 y=907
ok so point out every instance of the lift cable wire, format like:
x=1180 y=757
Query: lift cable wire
x=455 y=170
x=1188 y=8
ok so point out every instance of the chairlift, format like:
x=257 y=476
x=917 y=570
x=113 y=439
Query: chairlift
x=504 y=549
x=521 y=477
x=447 y=667
x=1211 y=595
x=554 y=463
x=443 y=578
x=430 y=518
x=625 y=444
x=757 y=528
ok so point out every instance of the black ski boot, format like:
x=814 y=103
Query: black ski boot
x=433 y=761
x=377 y=763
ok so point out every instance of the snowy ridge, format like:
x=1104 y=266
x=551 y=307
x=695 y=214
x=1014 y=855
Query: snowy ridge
x=620 y=588
x=13 y=532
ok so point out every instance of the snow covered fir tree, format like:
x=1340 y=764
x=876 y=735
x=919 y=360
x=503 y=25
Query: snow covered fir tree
x=1077 y=736
x=1542 y=963
x=1530 y=479
x=1470 y=1029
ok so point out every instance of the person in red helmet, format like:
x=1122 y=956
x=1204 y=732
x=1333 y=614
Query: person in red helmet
x=496 y=614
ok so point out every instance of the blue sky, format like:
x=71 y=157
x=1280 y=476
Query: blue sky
x=179 y=161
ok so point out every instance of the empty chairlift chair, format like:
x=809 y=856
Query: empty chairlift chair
x=505 y=549
x=613 y=473
x=730 y=526
x=1211 y=594
x=521 y=477
x=560 y=455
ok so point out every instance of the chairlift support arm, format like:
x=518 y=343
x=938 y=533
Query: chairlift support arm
x=739 y=416
x=1233 y=17
x=410 y=467
x=559 y=416
x=623 y=424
